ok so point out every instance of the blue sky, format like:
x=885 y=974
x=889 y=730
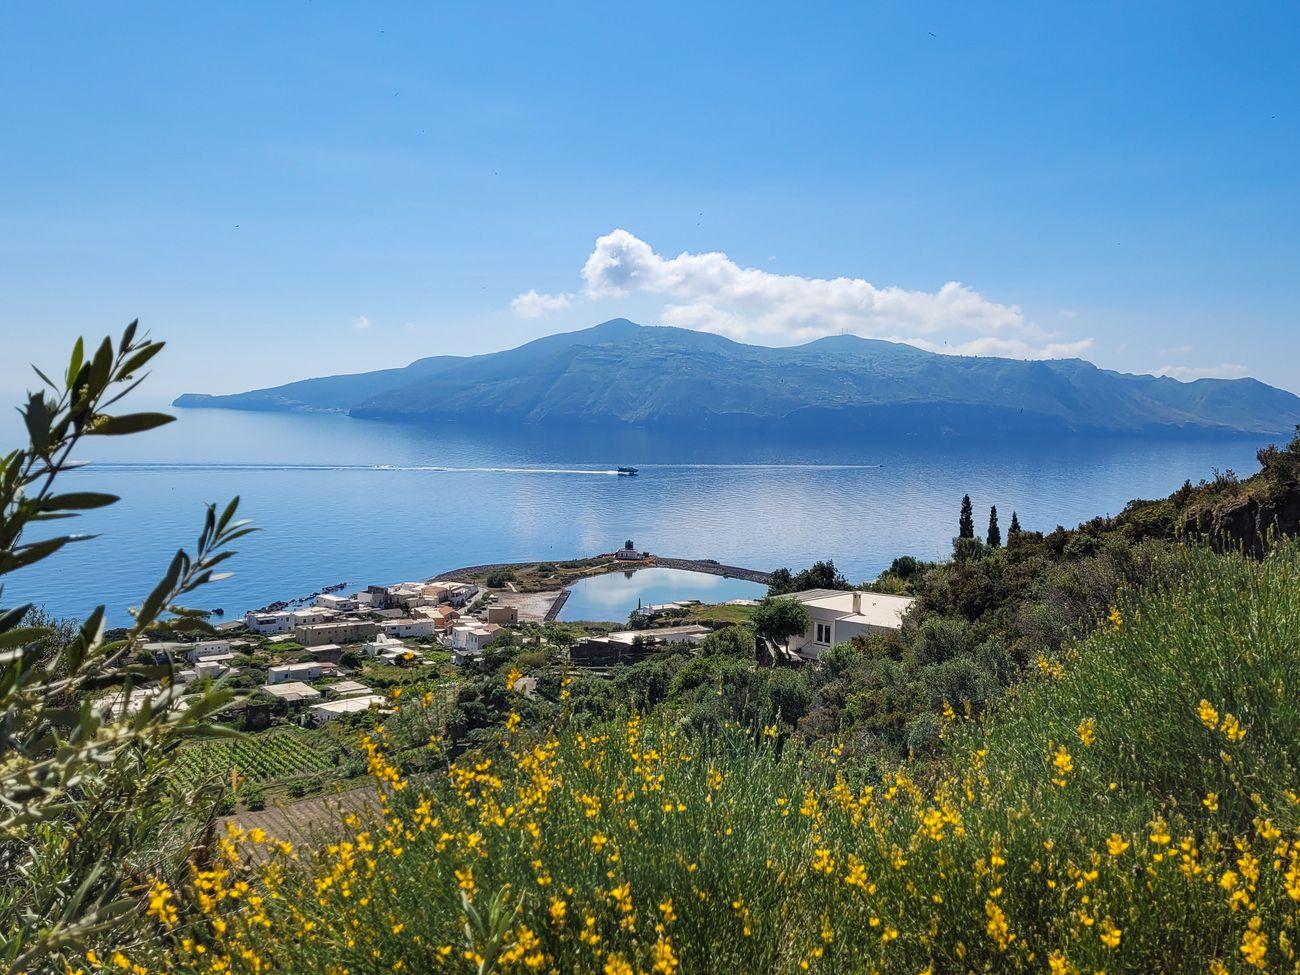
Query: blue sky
x=294 y=189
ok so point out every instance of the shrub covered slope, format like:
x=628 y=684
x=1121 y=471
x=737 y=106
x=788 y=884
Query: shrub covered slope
x=1130 y=807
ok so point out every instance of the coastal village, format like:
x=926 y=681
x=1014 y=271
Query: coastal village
x=323 y=664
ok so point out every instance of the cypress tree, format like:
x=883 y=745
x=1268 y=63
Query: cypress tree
x=995 y=533
x=966 y=525
x=1014 y=529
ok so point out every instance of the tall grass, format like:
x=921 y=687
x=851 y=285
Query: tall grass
x=1130 y=808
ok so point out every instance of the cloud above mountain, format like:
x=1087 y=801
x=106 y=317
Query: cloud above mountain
x=1225 y=370
x=711 y=292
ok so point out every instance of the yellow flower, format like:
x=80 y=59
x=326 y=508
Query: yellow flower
x=465 y=879
x=1116 y=844
x=160 y=903
x=1087 y=731
x=1063 y=764
x=1254 y=945
x=823 y=862
x=998 y=927
x=1160 y=832
x=1231 y=727
x=558 y=910
x=662 y=957
x=1209 y=717
x=588 y=935
x=1211 y=801
x=1109 y=934
x=1115 y=617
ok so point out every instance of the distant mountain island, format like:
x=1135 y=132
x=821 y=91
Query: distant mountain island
x=657 y=376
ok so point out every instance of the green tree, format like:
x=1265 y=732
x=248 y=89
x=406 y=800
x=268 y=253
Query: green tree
x=779 y=618
x=89 y=816
x=730 y=641
x=966 y=523
x=1014 y=528
x=499 y=578
x=781 y=581
x=994 y=537
x=820 y=575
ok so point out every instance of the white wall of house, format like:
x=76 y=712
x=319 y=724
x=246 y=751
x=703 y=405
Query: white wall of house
x=207 y=648
x=268 y=623
x=838 y=617
x=383 y=643
x=340 y=604
x=410 y=628
x=301 y=671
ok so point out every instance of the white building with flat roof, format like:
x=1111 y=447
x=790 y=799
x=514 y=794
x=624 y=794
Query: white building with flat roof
x=329 y=710
x=208 y=648
x=269 y=623
x=347 y=688
x=468 y=640
x=308 y=670
x=837 y=617
x=422 y=626
x=293 y=691
x=339 y=604
x=310 y=615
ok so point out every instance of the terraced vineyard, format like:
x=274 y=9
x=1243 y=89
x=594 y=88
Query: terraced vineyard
x=281 y=753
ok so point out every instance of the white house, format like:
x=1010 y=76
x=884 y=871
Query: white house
x=347 y=688
x=308 y=670
x=422 y=626
x=459 y=593
x=211 y=668
x=311 y=615
x=339 y=604
x=469 y=639
x=269 y=623
x=329 y=710
x=390 y=651
x=293 y=691
x=691 y=633
x=206 y=649
x=837 y=617
x=382 y=643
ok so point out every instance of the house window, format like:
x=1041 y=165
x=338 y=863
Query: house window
x=823 y=633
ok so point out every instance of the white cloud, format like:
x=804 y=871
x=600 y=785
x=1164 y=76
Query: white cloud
x=1226 y=370
x=361 y=323
x=1007 y=348
x=533 y=304
x=711 y=292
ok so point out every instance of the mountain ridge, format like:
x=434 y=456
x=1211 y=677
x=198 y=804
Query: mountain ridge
x=623 y=373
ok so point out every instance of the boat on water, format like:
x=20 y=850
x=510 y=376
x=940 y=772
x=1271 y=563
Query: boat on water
x=627 y=471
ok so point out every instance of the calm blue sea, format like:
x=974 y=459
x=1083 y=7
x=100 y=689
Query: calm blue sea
x=343 y=500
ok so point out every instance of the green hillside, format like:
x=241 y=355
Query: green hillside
x=1130 y=808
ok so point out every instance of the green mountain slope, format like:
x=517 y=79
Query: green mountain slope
x=619 y=372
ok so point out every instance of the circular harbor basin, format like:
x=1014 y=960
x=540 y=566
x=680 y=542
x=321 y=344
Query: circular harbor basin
x=614 y=595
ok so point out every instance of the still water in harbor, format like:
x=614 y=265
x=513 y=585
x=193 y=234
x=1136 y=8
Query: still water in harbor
x=343 y=500
x=614 y=595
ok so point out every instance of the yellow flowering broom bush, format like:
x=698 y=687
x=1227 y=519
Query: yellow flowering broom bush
x=1132 y=808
